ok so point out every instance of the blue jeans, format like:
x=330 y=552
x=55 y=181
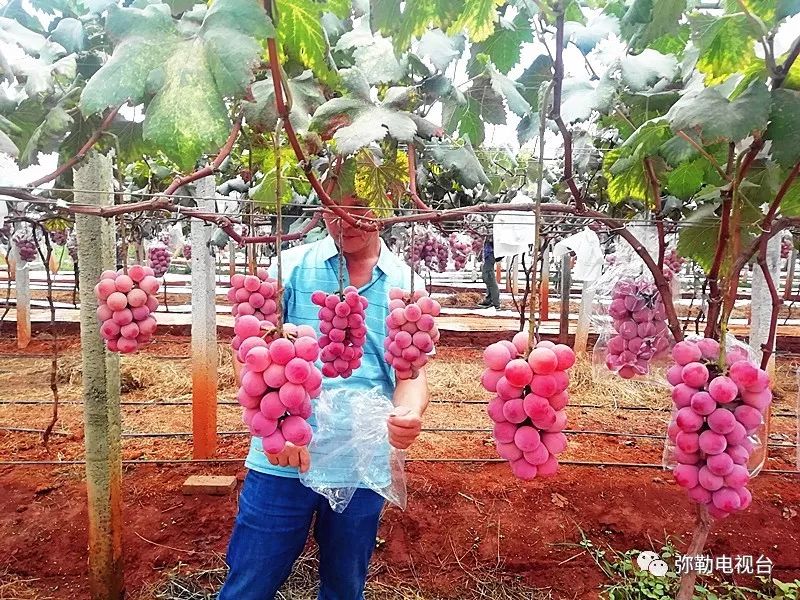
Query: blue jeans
x=271 y=529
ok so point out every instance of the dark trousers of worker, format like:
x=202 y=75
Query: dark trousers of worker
x=272 y=525
x=490 y=281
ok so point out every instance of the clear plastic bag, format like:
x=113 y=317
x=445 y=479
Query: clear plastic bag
x=641 y=353
x=350 y=448
x=758 y=440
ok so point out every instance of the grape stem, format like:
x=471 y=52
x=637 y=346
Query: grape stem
x=278 y=227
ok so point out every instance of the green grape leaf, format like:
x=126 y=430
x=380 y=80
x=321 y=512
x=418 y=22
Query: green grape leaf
x=573 y=12
x=686 y=179
x=647 y=139
x=8 y=146
x=672 y=43
x=580 y=97
x=384 y=15
x=648 y=20
x=625 y=176
x=586 y=37
x=458 y=159
x=676 y=150
x=717 y=118
x=698 y=237
x=354 y=123
x=477 y=18
x=509 y=89
x=761 y=9
x=381 y=182
x=47 y=137
x=532 y=78
x=265 y=192
x=725 y=44
x=503 y=47
x=440 y=48
x=190 y=72
x=262 y=114
x=489 y=102
x=786 y=8
x=69 y=33
x=790 y=205
x=641 y=71
x=784 y=127
x=374 y=55
x=462 y=115
x=301 y=34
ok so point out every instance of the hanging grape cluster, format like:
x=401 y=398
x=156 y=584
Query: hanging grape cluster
x=160 y=258
x=25 y=245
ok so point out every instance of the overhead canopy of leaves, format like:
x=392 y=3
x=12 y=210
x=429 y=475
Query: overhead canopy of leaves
x=190 y=75
x=716 y=118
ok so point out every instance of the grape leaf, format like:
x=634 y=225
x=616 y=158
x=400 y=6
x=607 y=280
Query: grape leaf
x=439 y=48
x=262 y=114
x=509 y=90
x=489 y=102
x=477 y=18
x=355 y=122
x=641 y=71
x=373 y=55
x=725 y=44
x=762 y=9
x=190 y=73
x=580 y=97
x=718 y=118
x=459 y=160
x=384 y=15
x=786 y=8
x=784 y=127
x=381 y=182
x=586 y=37
x=790 y=205
x=504 y=46
x=461 y=115
x=301 y=33
x=648 y=20
x=698 y=237
x=687 y=178
x=69 y=33
x=573 y=12
x=265 y=192
x=7 y=146
x=532 y=78
x=625 y=176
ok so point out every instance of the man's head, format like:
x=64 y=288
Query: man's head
x=353 y=239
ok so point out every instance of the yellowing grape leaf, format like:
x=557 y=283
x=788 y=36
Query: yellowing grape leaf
x=726 y=44
x=302 y=36
x=381 y=181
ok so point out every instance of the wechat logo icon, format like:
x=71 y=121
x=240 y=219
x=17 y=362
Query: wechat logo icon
x=650 y=561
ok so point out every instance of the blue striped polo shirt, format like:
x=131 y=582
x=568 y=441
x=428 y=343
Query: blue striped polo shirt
x=313 y=267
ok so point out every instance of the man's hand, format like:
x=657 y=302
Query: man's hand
x=291 y=456
x=404 y=427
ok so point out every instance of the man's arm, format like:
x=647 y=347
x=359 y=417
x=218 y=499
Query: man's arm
x=411 y=398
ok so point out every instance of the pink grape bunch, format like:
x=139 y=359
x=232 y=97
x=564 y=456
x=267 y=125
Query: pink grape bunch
x=254 y=295
x=159 y=259
x=528 y=409
x=278 y=381
x=187 y=251
x=343 y=331
x=672 y=264
x=715 y=416
x=786 y=247
x=640 y=325
x=127 y=303
x=59 y=236
x=429 y=248
x=460 y=246
x=412 y=331
x=26 y=247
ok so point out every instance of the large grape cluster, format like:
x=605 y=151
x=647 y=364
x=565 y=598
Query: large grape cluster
x=460 y=247
x=672 y=264
x=716 y=415
x=639 y=320
x=278 y=381
x=412 y=331
x=343 y=331
x=159 y=258
x=254 y=295
x=126 y=306
x=428 y=248
x=528 y=408
x=26 y=247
